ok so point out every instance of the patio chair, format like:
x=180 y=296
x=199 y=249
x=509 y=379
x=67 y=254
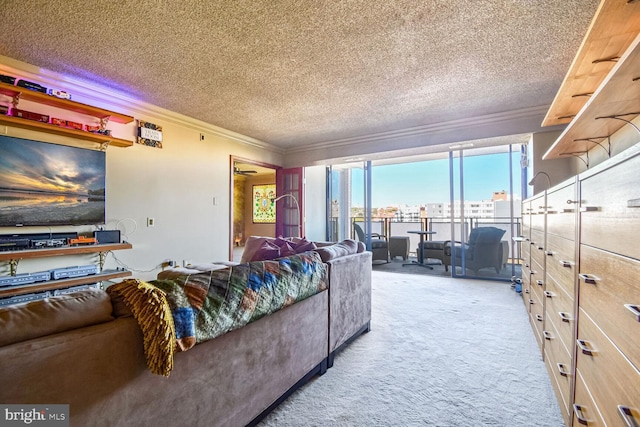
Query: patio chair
x=379 y=243
x=484 y=249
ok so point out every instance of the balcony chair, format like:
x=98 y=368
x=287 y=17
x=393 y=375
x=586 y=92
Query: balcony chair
x=484 y=249
x=379 y=244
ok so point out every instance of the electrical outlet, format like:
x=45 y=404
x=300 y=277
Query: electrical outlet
x=151 y=222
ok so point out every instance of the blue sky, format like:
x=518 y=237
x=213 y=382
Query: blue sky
x=428 y=182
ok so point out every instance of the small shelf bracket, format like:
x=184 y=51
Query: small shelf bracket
x=582 y=94
x=13 y=266
x=569 y=116
x=103 y=122
x=15 y=100
x=579 y=154
x=608 y=59
x=601 y=138
x=103 y=258
x=104 y=146
x=619 y=117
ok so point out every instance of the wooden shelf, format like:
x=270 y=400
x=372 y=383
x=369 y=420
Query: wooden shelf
x=64 y=250
x=62 y=283
x=618 y=94
x=74 y=133
x=14 y=256
x=612 y=30
x=66 y=104
x=52 y=101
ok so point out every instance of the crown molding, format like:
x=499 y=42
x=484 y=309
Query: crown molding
x=88 y=92
x=424 y=130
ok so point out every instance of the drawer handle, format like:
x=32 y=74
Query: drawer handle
x=540 y=248
x=566 y=264
x=548 y=253
x=526 y=291
x=585 y=348
x=589 y=208
x=633 y=203
x=532 y=272
x=627 y=416
x=526 y=264
x=634 y=309
x=589 y=278
x=562 y=371
x=547 y=335
x=577 y=409
x=549 y=212
x=566 y=317
x=531 y=301
x=532 y=242
x=567 y=210
x=527 y=239
x=539 y=317
x=539 y=282
x=548 y=294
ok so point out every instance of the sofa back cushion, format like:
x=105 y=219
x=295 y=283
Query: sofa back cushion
x=22 y=322
x=345 y=247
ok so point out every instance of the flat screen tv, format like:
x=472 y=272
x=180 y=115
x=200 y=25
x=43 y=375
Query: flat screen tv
x=48 y=184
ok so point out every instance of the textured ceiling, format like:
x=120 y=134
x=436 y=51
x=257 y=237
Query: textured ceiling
x=302 y=72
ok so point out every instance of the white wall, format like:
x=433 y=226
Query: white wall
x=176 y=185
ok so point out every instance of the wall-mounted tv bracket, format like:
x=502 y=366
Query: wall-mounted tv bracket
x=595 y=141
x=619 y=117
x=579 y=154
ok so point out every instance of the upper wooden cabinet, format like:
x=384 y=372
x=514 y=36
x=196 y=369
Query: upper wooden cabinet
x=612 y=30
x=18 y=93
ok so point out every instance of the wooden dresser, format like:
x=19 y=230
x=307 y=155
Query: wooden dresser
x=581 y=266
x=583 y=290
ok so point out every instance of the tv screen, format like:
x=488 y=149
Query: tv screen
x=49 y=184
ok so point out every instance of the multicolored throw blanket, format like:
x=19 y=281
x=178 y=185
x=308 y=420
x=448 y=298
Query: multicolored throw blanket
x=190 y=309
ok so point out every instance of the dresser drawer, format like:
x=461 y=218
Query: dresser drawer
x=558 y=362
x=537 y=279
x=585 y=411
x=559 y=309
x=561 y=216
x=612 y=380
x=612 y=282
x=561 y=263
x=609 y=218
x=536 y=317
x=536 y=246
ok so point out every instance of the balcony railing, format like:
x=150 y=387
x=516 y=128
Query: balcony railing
x=442 y=227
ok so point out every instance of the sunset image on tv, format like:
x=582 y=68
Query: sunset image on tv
x=49 y=184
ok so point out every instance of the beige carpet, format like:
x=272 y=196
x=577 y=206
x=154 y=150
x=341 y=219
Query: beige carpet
x=441 y=352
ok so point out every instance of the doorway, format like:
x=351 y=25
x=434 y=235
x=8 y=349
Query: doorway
x=249 y=177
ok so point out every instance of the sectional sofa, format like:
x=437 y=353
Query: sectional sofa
x=88 y=350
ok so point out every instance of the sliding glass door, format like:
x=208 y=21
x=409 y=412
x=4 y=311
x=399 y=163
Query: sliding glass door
x=460 y=196
x=485 y=212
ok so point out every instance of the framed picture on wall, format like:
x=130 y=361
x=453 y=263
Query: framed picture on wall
x=264 y=209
